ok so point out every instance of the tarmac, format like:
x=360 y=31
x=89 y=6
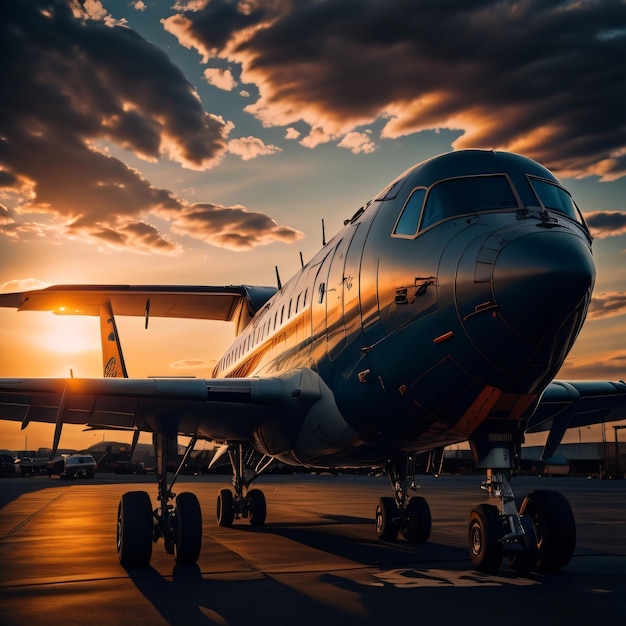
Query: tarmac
x=316 y=561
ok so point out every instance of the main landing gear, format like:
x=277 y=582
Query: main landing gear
x=180 y=525
x=245 y=502
x=408 y=516
x=541 y=536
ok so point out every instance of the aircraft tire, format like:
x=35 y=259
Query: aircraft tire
x=257 y=507
x=554 y=525
x=225 y=508
x=484 y=532
x=188 y=528
x=416 y=522
x=134 y=529
x=387 y=519
x=526 y=561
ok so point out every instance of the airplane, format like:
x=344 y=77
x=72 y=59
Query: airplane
x=440 y=313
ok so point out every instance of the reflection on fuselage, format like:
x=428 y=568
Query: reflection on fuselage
x=454 y=294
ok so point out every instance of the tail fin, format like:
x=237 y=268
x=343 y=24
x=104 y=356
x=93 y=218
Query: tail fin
x=112 y=357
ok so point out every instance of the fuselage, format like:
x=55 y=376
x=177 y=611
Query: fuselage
x=439 y=313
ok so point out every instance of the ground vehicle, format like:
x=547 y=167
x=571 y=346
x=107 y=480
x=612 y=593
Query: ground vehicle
x=73 y=466
x=9 y=464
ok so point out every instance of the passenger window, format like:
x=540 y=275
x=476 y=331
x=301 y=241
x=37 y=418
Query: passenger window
x=471 y=194
x=556 y=198
x=408 y=220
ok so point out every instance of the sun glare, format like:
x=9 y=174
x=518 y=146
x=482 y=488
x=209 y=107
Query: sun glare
x=68 y=335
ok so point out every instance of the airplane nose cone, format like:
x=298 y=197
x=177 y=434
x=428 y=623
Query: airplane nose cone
x=539 y=279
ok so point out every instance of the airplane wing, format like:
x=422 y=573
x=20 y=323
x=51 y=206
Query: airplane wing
x=236 y=303
x=573 y=404
x=216 y=409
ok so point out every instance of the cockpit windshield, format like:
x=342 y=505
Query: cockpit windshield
x=555 y=198
x=470 y=194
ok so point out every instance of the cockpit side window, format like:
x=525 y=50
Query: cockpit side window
x=409 y=218
x=555 y=198
x=470 y=194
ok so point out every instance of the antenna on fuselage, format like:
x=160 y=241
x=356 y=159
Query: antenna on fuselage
x=323 y=233
x=301 y=259
x=280 y=285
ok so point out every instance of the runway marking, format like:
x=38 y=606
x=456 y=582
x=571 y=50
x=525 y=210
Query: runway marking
x=411 y=578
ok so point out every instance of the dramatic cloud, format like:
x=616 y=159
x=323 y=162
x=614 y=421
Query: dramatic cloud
x=76 y=81
x=606 y=223
x=541 y=78
x=233 y=227
x=250 y=148
x=608 y=304
x=130 y=235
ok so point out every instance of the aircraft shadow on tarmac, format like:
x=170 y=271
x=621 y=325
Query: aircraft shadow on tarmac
x=309 y=595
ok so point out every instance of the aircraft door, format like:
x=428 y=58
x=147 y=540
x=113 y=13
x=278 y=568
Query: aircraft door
x=339 y=287
x=318 y=309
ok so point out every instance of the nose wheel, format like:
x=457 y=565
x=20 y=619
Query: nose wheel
x=540 y=537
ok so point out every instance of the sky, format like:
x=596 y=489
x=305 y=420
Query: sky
x=202 y=142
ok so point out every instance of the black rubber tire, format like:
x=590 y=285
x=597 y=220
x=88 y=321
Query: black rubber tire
x=416 y=522
x=188 y=528
x=555 y=528
x=526 y=561
x=484 y=533
x=387 y=519
x=225 y=508
x=134 y=529
x=257 y=507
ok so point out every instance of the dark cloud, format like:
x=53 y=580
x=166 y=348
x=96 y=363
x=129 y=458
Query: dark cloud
x=541 y=78
x=606 y=223
x=609 y=304
x=72 y=84
x=233 y=227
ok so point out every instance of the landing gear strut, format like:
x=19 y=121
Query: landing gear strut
x=407 y=516
x=247 y=465
x=541 y=536
x=180 y=525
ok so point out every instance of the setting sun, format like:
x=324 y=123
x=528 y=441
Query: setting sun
x=67 y=335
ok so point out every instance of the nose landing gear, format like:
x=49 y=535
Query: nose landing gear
x=541 y=536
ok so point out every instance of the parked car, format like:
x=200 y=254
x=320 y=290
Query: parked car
x=72 y=466
x=9 y=464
